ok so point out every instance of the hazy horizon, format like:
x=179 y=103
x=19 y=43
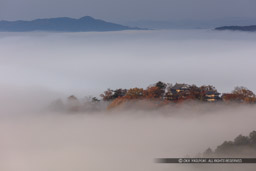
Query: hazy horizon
x=152 y=13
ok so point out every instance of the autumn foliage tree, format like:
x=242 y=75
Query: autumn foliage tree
x=161 y=93
x=246 y=94
x=107 y=95
x=153 y=93
x=131 y=94
x=240 y=94
x=135 y=93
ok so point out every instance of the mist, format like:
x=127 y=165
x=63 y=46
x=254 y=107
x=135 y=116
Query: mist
x=120 y=140
x=89 y=63
x=37 y=68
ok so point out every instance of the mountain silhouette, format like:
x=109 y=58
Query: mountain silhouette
x=238 y=28
x=62 y=24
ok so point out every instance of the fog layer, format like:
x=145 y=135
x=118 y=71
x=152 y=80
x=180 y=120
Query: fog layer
x=39 y=67
x=123 y=140
x=89 y=63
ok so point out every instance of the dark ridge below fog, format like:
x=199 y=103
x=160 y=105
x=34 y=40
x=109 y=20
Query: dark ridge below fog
x=242 y=146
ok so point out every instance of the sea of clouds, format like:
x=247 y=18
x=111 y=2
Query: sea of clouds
x=37 y=68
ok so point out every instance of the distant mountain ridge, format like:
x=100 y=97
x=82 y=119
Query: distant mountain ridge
x=251 y=28
x=62 y=24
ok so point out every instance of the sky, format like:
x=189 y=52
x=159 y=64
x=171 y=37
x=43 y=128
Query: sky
x=124 y=11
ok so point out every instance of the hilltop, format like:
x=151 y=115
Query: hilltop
x=158 y=95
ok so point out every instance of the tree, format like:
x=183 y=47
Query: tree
x=194 y=92
x=208 y=152
x=135 y=93
x=162 y=87
x=240 y=94
x=95 y=100
x=252 y=137
x=73 y=103
x=241 y=140
x=108 y=95
x=208 y=88
x=243 y=91
x=153 y=93
x=225 y=148
x=232 y=97
x=246 y=94
x=156 y=90
x=119 y=93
